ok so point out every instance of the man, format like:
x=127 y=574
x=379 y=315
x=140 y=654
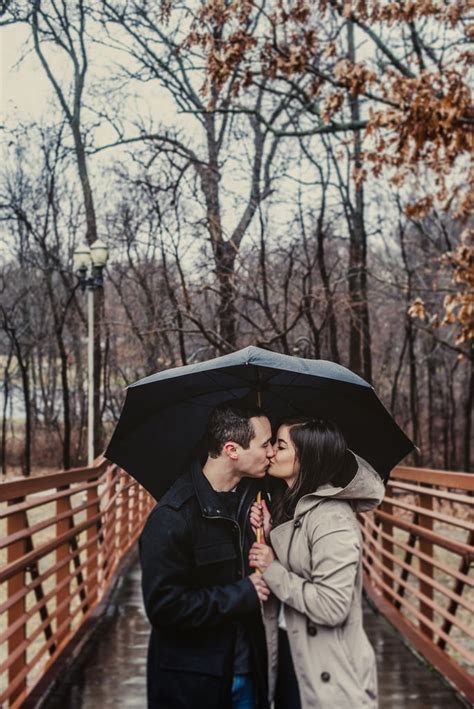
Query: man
x=207 y=647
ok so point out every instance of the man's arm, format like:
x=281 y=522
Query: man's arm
x=165 y=557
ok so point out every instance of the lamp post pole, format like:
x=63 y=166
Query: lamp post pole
x=90 y=376
x=89 y=264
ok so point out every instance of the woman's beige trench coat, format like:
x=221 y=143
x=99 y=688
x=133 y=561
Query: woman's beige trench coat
x=318 y=576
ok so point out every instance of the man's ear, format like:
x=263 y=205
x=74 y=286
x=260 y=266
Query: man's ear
x=230 y=449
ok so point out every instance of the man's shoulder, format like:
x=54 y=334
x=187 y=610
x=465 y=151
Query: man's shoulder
x=179 y=493
x=171 y=510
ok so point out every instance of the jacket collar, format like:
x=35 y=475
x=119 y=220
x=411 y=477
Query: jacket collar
x=207 y=497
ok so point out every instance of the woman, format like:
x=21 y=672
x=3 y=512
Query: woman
x=314 y=567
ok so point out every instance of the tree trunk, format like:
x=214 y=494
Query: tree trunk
x=66 y=407
x=25 y=381
x=6 y=394
x=467 y=433
x=414 y=412
x=331 y=316
x=360 y=359
x=226 y=312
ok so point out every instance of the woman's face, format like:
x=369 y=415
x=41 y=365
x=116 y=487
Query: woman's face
x=284 y=464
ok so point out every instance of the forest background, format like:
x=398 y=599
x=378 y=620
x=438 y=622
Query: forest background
x=293 y=175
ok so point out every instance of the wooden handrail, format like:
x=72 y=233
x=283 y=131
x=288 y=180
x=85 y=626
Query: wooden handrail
x=65 y=535
x=411 y=544
x=439 y=478
x=21 y=488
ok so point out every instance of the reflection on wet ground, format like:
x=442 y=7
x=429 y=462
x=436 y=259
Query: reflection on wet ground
x=112 y=672
x=404 y=681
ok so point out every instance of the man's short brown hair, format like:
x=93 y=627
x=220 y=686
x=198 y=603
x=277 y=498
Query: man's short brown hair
x=230 y=422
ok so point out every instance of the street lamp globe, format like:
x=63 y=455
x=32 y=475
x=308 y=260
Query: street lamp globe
x=99 y=253
x=82 y=257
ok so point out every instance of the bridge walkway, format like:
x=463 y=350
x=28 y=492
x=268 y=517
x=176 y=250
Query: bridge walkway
x=112 y=670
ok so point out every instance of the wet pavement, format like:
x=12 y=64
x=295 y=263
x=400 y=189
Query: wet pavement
x=112 y=669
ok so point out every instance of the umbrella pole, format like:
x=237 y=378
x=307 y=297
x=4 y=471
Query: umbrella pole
x=259 y=392
x=259 y=531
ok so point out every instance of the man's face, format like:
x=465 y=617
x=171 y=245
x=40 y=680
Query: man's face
x=254 y=460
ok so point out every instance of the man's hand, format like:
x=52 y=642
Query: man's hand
x=261 y=556
x=260 y=518
x=261 y=587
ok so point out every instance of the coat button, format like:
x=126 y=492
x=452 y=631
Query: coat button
x=312 y=630
x=297 y=524
x=325 y=676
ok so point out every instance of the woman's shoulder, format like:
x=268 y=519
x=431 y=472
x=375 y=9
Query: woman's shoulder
x=330 y=513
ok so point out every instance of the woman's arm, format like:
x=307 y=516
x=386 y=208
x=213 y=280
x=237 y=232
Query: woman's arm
x=335 y=554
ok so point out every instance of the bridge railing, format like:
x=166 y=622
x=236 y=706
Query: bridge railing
x=418 y=553
x=62 y=538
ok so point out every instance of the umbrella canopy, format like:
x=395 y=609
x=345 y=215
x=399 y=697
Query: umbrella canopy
x=165 y=415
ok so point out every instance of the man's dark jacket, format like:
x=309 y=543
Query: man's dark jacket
x=196 y=592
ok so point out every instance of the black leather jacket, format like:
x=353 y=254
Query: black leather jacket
x=196 y=591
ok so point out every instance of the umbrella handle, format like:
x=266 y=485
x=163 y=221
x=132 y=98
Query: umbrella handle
x=259 y=531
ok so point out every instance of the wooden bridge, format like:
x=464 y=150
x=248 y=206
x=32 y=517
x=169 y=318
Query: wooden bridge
x=68 y=538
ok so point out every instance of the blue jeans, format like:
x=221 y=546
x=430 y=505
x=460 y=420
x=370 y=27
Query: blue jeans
x=243 y=694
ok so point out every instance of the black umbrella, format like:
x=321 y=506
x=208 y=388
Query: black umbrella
x=164 y=416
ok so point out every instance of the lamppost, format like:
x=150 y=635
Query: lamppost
x=302 y=346
x=89 y=264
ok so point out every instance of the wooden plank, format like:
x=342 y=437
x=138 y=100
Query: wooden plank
x=16 y=581
x=387 y=544
x=43 y=576
x=441 y=494
x=434 y=584
x=426 y=547
x=93 y=510
x=440 y=478
x=63 y=595
x=381 y=585
x=10 y=569
x=41 y=483
x=455 y=573
x=66 y=513
x=448 y=544
x=426 y=510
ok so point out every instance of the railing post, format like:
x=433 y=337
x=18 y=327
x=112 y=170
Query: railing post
x=92 y=566
x=110 y=523
x=124 y=515
x=387 y=545
x=426 y=501
x=64 y=593
x=132 y=511
x=16 y=523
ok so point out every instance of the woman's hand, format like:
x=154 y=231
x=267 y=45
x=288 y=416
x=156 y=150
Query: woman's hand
x=260 y=518
x=261 y=556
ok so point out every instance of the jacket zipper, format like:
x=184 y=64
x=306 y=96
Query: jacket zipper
x=238 y=527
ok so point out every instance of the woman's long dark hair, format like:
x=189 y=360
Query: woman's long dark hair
x=321 y=451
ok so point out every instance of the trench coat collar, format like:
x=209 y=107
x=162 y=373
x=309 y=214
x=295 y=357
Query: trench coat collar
x=365 y=491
